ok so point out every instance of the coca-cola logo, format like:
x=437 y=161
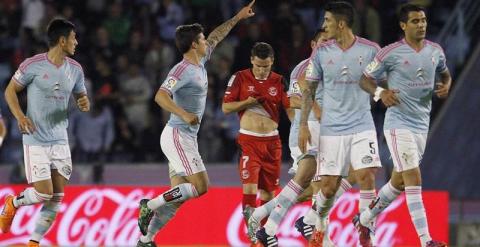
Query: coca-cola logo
x=341 y=229
x=95 y=217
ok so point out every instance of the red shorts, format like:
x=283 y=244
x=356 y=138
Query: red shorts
x=260 y=161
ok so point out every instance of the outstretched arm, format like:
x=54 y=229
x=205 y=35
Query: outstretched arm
x=219 y=33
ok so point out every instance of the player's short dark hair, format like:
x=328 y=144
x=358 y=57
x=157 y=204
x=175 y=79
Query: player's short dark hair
x=317 y=34
x=342 y=11
x=406 y=9
x=262 y=50
x=185 y=35
x=58 y=28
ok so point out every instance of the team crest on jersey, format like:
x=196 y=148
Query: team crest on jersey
x=372 y=66
x=170 y=83
x=251 y=88
x=272 y=91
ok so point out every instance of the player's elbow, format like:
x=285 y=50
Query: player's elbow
x=226 y=109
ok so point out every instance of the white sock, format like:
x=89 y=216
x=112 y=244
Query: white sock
x=311 y=217
x=30 y=196
x=286 y=198
x=47 y=216
x=162 y=216
x=344 y=186
x=179 y=193
x=263 y=211
x=417 y=212
x=386 y=195
x=323 y=208
x=366 y=197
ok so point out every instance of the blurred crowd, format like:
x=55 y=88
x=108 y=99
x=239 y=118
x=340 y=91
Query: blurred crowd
x=127 y=47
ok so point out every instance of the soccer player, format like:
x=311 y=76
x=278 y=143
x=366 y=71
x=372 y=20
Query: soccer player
x=3 y=130
x=347 y=132
x=49 y=78
x=411 y=65
x=258 y=95
x=187 y=84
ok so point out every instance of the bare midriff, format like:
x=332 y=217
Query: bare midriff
x=257 y=123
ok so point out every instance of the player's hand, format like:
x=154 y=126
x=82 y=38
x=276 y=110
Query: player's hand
x=26 y=125
x=190 y=118
x=251 y=101
x=442 y=90
x=304 y=138
x=389 y=97
x=246 y=11
x=83 y=103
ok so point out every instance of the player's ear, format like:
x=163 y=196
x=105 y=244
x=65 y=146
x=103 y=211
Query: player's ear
x=403 y=25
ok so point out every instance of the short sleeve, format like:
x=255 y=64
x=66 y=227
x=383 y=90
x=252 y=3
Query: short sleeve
x=442 y=62
x=284 y=94
x=314 y=70
x=377 y=69
x=232 y=93
x=293 y=87
x=174 y=81
x=24 y=74
x=79 y=86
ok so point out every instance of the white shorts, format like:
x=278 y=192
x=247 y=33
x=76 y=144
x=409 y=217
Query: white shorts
x=182 y=152
x=338 y=152
x=406 y=148
x=312 y=148
x=40 y=160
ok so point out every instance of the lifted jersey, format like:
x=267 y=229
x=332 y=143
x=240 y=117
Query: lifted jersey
x=244 y=84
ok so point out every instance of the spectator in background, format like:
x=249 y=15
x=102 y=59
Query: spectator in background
x=117 y=25
x=367 y=22
x=171 y=15
x=92 y=136
x=158 y=59
x=135 y=94
x=33 y=12
x=136 y=48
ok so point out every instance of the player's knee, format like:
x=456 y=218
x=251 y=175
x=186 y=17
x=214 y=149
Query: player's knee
x=366 y=178
x=201 y=188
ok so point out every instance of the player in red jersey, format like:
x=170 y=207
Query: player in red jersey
x=258 y=95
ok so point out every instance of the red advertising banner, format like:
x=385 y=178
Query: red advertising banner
x=107 y=216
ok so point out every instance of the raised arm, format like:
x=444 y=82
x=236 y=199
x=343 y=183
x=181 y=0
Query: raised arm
x=219 y=33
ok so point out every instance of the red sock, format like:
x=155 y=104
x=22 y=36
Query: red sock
x=266 y=218
x=250 y=200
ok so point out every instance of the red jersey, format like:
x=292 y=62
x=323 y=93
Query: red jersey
x=271 y=90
